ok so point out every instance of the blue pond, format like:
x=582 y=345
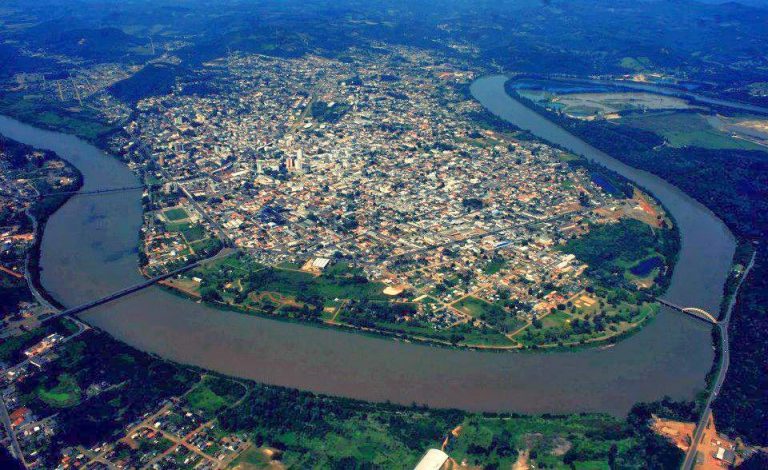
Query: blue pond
x=604 y=183
x=644 y=268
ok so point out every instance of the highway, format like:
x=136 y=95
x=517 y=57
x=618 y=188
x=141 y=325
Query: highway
x=725 y=357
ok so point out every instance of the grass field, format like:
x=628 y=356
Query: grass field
x=687 y=130
x=586 y=104
x=65 y=394
x=251 y=459
x=177 y=213
x=495 y=265
x=214 y=394
x=293 y=283
x=555 y=319
x=177 y=226
x=636 y=63
x=34 y=111
x=333 y=284
x=193 y=233
x=472 y=306
x=203 y=399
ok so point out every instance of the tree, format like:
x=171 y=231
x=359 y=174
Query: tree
x=612 y=453
x=456 y=338
x=210 y=294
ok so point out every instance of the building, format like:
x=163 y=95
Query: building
x=725 y=455
x=434 y=459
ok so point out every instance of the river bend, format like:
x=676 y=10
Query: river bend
x=89 y=250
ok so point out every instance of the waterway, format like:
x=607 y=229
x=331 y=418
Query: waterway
x=89 y=250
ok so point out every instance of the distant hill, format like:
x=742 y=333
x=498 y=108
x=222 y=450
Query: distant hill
x=749 y=3
x=154 y=79
x=98 y=44
x=12 y=62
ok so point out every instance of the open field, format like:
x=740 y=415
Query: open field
x=66 y=393
x=256 y=458
x=687 y=130
x=745 y=128
x=472 y=306
x=585 y=104
x=584 y=324
x=556 y=319
x=214 y=394
x=176 y=213
x=31 y=109
x=494 y=266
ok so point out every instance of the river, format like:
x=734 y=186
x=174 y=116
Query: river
x=89 y=250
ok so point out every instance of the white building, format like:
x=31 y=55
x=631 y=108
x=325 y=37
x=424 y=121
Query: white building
x=434 y=459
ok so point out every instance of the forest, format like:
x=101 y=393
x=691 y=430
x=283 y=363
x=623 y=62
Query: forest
x=611 y=250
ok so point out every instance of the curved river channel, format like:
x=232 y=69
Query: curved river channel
x=89 y=250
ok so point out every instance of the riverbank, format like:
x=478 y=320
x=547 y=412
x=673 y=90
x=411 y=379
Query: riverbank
x=29 y=163
x=719 y=178
x=600 y=343
x=32 y=263
x=617 y=307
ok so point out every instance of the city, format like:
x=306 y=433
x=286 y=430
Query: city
x=264 y=235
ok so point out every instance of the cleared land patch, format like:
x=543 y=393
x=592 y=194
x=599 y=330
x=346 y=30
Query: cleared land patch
x=687 y=130
x=64 y=394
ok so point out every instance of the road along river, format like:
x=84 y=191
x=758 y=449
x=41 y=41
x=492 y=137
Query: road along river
x=89 y=250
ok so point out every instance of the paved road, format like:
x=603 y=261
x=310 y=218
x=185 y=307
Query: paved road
x=725 y=357
x=15 y=448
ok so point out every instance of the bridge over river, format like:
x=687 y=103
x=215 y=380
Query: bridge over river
x=695 y=312
x=136 y=287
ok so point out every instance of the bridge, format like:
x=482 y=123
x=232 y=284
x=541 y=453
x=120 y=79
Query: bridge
x=695 y=312
x=79 y=193
x=95 y=191
x=134 y=288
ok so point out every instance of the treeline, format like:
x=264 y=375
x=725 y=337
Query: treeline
x=364 y=313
